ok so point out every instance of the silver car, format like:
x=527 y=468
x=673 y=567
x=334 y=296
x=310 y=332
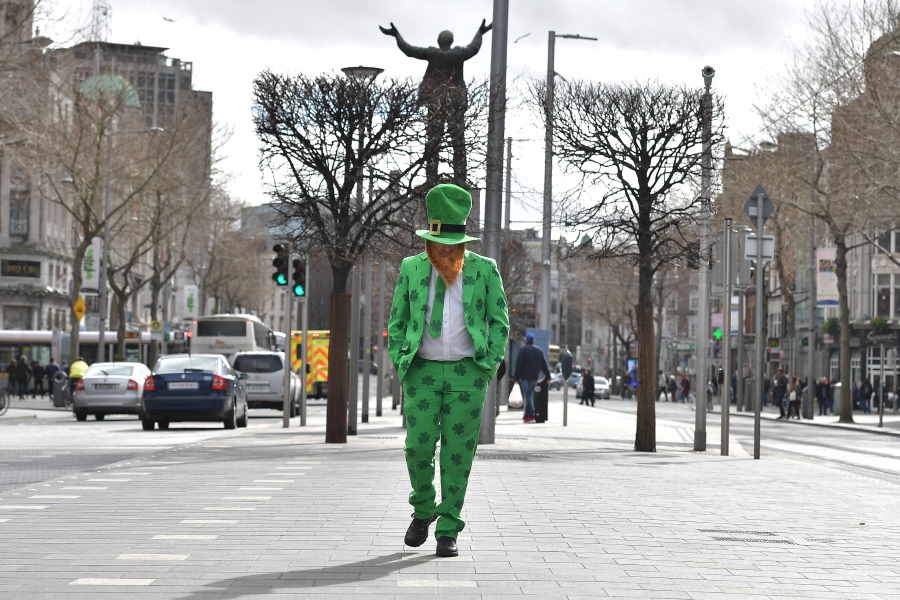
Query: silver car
x=109 y=389
x=265 y=380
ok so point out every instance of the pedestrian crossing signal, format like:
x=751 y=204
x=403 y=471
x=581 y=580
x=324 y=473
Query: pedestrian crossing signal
x=718 y=333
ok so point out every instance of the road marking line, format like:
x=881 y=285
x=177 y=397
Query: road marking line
x=209 y=521
x=254 y=498
x=101 y=480
x=185 y=537
x=110 y=581
x=21 y=507
x=273 y=480
x=298 y=467
x=152 y=557
x=223 y=508
x=129 y=473
x=85 y=487
x=261 y=489
x=435 y=583
x=53 y=497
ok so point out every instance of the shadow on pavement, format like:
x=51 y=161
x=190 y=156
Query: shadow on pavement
x=265 y=583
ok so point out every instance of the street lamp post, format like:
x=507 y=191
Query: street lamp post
x=700 y=404
x=544 y=318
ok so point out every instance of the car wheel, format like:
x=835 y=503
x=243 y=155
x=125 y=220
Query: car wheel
x=242 y=422
x=99 y=417
x=147 y=424
x=231 y=417
x=80 y=415
x=163 y=424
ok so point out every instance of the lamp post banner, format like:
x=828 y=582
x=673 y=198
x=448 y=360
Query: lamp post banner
x=90 y=268
x=826 y=279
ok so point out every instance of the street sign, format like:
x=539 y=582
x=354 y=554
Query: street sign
x=768 y=247
x=759 y=196
x=156 y=330
x=79 y=307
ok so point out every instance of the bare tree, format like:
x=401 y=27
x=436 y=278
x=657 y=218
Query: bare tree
x=317 y=135
x=636 y=145
x=843 y=90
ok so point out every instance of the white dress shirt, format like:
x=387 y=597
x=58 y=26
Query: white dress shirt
x=454 y=343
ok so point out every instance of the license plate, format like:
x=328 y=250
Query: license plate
x=106 y=386
x=183 y=385
x=258 y=386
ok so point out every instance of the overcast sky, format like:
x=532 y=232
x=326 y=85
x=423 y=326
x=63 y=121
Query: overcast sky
x=230 y=41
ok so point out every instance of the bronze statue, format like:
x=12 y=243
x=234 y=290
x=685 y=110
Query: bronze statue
x=443 y=93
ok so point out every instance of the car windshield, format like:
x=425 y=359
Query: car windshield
x=602 y=381
x=186 y=364
x=110 y=371
x=257 y=363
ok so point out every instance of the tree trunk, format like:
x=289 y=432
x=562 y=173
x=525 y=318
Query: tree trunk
x=840 y=271
x=338 y=348
x=155 y=287
x=121 y=303
x=74 y=331
x=645 y=436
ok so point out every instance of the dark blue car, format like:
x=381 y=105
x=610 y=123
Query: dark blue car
x=194 y=387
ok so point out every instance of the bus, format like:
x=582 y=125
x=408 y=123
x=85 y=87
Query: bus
x=229 y=334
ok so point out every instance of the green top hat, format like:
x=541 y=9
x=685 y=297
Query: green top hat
x=447 y=208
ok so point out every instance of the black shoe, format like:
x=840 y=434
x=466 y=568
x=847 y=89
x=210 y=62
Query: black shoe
x=446 y=546
x=418 y=531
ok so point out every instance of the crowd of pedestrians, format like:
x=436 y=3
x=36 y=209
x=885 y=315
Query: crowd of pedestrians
x=31 y=378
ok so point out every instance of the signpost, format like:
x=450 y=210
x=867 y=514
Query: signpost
x=759 y=207
x=156 y=330
x=79 y=307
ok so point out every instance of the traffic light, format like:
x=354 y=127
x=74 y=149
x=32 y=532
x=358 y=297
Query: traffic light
x=717 y=333
x=280 y=262
x=299 y=277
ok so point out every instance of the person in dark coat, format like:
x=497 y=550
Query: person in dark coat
x=685 y=389
x=21 y=373
x=37 y=373
x=50 y=371
x=823 y=396
x=587 y=387
x=780 y=392
x=865 y=396
x=530 y=363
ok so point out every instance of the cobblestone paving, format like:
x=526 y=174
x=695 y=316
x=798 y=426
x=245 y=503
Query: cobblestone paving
x=552 y=513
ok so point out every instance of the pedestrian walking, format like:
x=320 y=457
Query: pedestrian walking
x=779 y=392
x=37 y=374
x=50 y=371
x=447 y=333
x=794 y=392
x=530 y=363
x=673 y=389
x=21 y=373
x=685 y=388
x=587 y=387
x=823 y=396
x=865 y=395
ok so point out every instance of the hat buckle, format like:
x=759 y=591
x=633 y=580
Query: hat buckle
x=434 y=226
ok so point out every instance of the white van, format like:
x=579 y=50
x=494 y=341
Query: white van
x=265 y=380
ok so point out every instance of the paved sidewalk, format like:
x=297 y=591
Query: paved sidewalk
x=552 y=513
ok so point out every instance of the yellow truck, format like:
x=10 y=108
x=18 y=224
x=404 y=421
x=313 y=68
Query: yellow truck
x=316 y=359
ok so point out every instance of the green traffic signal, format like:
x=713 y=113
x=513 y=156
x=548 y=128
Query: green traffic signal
x=298 y=290
x=280 y=279
x=280 y=262
x=718 y=333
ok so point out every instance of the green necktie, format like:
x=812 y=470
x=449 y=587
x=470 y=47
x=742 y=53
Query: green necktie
x=437 y=308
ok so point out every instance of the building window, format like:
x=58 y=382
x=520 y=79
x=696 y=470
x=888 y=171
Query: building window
x=589 y=336
x=883 y=295
x=17 y=317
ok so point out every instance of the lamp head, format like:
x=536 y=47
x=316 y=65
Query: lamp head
x=708 y=74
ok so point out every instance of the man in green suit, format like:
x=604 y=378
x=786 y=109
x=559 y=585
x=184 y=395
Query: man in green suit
x=447 y=333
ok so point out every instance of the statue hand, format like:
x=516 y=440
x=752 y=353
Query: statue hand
x=485 y=27
x=391 y=31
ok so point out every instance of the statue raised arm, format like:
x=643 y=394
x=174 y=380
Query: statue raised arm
x=443 y=92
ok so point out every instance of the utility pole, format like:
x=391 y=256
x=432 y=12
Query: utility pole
x=286 y=384
x=493 y=201
x=811 y=345
x=726 y=320
x=352 y=417
x=544 y=309
x=700 y=404
x=304 y=347
x=367 y=338
x=379 y=385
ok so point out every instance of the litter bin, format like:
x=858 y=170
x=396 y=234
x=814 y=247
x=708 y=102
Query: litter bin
x=60 y=389
x=541 y=395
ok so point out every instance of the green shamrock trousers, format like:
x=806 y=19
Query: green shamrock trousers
x=442 y=400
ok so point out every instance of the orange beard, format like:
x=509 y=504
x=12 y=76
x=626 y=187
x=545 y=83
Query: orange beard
x=448 y=263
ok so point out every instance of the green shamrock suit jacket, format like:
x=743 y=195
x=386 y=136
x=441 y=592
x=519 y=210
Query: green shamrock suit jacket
x=484 y=305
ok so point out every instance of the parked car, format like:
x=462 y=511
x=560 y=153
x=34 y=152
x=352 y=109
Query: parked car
x=265 y=380
x=109 y=389
x=601 y=388
x=556 y=381
x=194 y=387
